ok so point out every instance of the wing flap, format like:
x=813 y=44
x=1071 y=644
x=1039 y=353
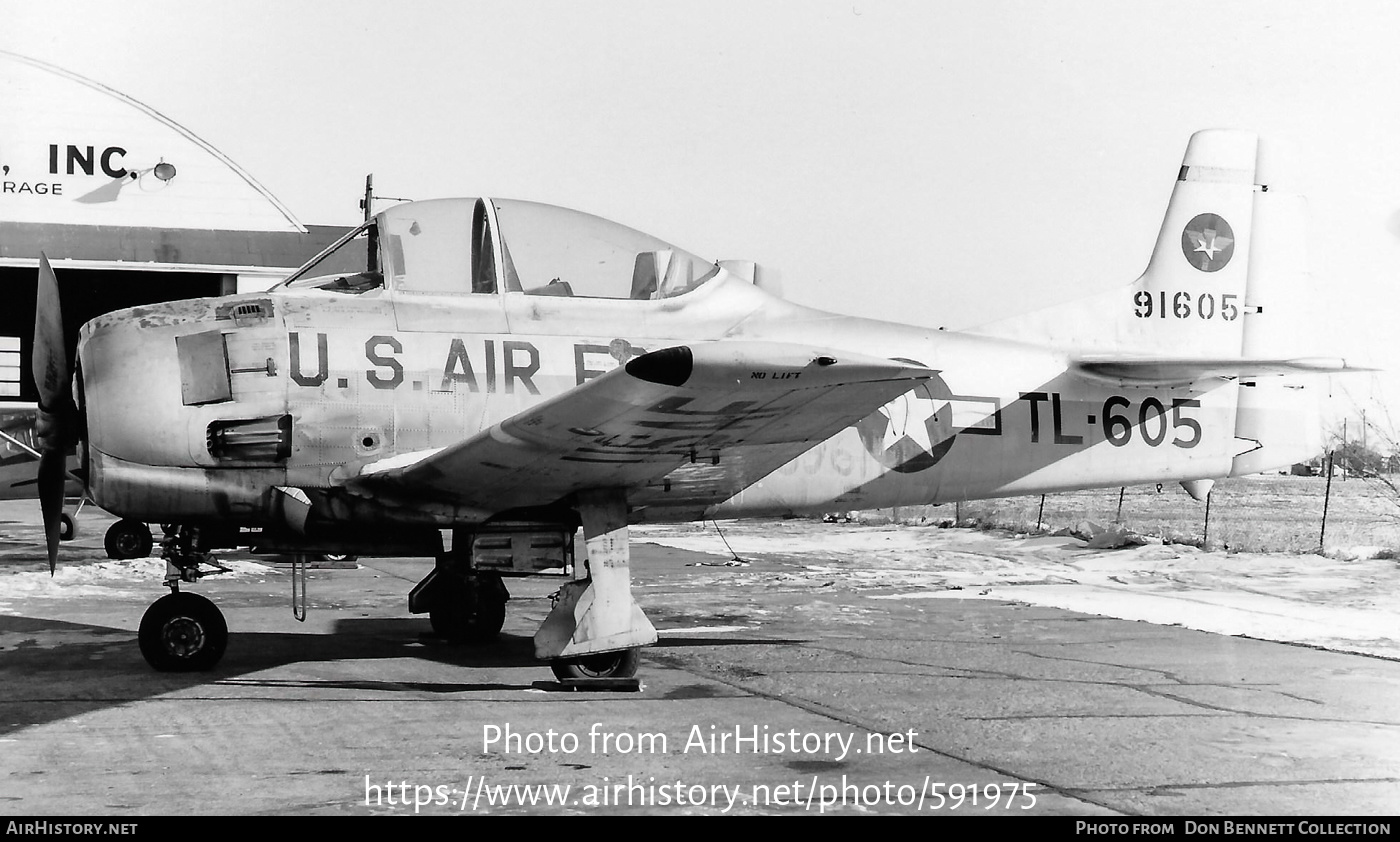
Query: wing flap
x=1166 y=372
x=636 y=424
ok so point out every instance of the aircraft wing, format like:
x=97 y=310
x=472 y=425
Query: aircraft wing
x=17 y=429
x=19 y=460
x=712 y=418
x=1166 y=372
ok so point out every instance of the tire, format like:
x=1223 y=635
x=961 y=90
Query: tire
x=338 y=557
x=67 y=528
x=621 y=664
x=128 y=539
x=469 y=613
x=183 y=632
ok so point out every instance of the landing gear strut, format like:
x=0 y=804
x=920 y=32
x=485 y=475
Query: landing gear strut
x=182 y=632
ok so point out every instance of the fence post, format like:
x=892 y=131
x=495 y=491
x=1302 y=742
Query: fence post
x=1205 y=536
x=1040 y=516
x=1119 y=517
x=1326 y=498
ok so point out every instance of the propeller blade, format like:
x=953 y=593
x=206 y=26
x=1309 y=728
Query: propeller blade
x=55 y=425
x=53 y=475
x=53 y=373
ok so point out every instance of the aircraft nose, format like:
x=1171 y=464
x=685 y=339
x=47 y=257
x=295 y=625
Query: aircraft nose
x=142 y=370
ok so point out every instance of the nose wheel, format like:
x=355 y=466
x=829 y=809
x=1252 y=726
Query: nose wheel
x=183 y=632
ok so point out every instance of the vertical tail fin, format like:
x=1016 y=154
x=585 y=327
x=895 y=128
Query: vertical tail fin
x=1192 y=299
x=1228 y=278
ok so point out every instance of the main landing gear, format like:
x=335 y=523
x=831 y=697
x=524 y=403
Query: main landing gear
x=594 y=632
x=595 y=629
x=468 y=607
x=68 y=524
x=182 y=632
x=128 y=538
x=591 y=668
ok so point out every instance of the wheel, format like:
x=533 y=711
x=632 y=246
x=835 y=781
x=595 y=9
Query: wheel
x=334 y=557
x=128 y=539
x=183 y=632
x=622 y=664
x=67 y=528
x=469 y=611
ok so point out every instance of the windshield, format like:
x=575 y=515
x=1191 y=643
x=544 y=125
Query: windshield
x=346 y=266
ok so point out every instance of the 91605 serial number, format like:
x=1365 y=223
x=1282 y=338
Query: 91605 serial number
x=1183 y=305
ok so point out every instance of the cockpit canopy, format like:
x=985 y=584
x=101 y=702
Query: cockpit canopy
x=485 y=246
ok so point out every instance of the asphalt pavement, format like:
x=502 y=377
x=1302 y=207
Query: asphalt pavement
x=771 y=691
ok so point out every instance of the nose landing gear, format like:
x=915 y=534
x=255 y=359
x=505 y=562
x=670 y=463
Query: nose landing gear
x=182 y=632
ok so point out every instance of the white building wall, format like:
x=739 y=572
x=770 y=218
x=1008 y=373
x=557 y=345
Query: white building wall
x=75 y=152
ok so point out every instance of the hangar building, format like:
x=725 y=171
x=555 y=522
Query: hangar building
x=129 y=206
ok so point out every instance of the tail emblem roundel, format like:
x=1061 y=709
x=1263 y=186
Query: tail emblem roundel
x=1208 y=242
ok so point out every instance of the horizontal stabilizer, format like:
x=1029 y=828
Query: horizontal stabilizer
x=1166 y=372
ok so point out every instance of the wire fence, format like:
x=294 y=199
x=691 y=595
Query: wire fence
x=1250 y=514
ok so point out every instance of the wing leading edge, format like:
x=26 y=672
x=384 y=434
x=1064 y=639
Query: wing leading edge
x=715 y=417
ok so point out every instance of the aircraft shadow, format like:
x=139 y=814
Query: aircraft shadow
x=708 y=641
x=52 y=669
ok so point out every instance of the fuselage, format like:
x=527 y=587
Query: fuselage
x=199 y=411
x=361 y=379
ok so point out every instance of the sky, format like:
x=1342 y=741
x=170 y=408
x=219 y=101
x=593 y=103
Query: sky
x=931 y=162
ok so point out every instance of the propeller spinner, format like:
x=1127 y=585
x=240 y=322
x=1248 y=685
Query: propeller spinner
x=57 y=422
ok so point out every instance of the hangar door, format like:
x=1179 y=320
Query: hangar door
x=85 y=293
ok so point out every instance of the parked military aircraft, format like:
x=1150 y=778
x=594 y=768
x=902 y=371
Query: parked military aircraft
x=19 y=462
x=500 y=373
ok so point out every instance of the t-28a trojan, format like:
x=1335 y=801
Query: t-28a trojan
x=501 y=373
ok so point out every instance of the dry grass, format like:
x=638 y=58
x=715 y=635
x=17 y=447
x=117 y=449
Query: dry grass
x=1251 y=514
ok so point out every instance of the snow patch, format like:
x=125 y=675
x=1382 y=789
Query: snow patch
x=1349 y=601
